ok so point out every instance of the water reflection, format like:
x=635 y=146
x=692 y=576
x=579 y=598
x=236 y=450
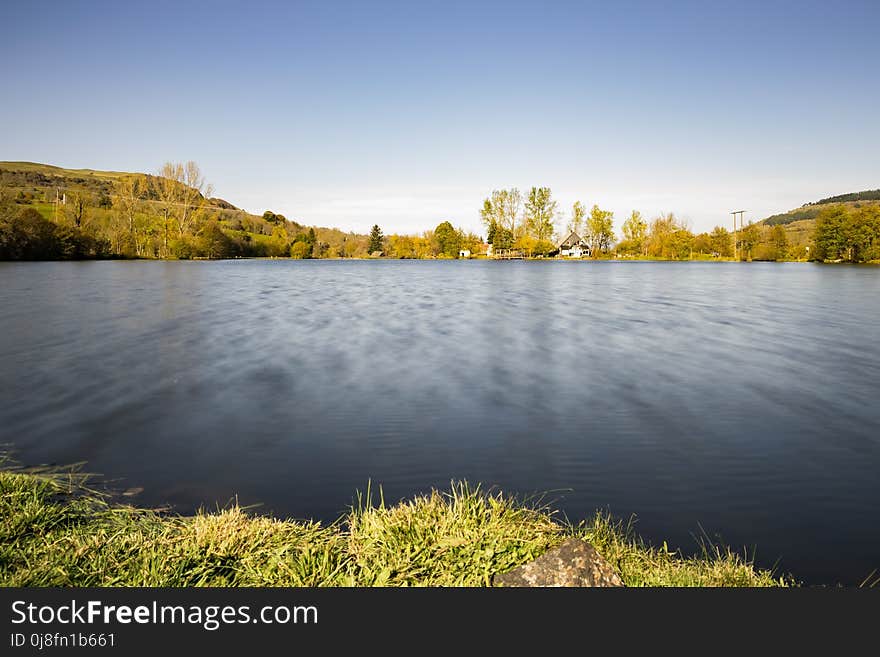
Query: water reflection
x=737 y=397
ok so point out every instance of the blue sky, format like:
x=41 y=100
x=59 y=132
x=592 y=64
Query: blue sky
x=409 y=113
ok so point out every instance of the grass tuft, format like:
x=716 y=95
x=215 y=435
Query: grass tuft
x=56 y=531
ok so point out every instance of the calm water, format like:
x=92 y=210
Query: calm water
x=737 y=398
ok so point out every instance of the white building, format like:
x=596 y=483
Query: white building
x=573 y=246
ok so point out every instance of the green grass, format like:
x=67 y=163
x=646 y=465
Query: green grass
x=55 y=531
x=51 y=170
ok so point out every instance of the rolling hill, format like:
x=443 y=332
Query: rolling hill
x=809 y=211
x=851 y=232
x=94 y=204
x=32 y=179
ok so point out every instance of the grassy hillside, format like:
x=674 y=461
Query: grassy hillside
x=837 y=228
x=809 y=211
x=49 y=169
x=799 y=233
x=51 y=212
x=32 y=181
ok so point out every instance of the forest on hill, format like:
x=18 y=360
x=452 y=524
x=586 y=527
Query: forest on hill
x=809 y=211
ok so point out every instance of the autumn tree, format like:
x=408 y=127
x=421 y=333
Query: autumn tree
x=300 y=250
x=600 y=230
x=500 y=214
x=576 y=225
x=470 y=241
x=660 y=235
x=272 y=218
x=721 y=242
x=635 y=228
x=129 y=192
x=75 y=207
x=635 y=231
x=702 y=243
x=749 y=238
x=182 y=188
x=681 y=244
x=779 y=241
x=540 y=209
x=401 y=246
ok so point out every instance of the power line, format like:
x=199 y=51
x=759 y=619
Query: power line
x=734 y=213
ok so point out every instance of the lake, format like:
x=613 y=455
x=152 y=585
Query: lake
x=739 y=400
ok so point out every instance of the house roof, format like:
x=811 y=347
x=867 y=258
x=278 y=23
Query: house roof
x=573 y=239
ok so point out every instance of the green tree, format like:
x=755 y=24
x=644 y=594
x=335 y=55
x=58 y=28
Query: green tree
x=540 y=208
x=214 y=243
x=500 y=213
x=635 y=228
x=600 y=230
x=75 y=207
x=829 y=234
x=702 y=243
x=681 y=244
x=842 y=233
x=635 y=231
x=26 y=235
x=307 y=238
x=448 y=239
x=721 y=242
x=301 y=250
x=499 y=237
x=660 y=236
x=272 y=218
x=779 y=241
x=863 y=234
x=749 y=238
x=376 y=239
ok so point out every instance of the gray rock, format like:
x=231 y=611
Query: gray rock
x=574 y=563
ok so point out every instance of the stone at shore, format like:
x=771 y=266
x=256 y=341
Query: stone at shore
x=574 y=563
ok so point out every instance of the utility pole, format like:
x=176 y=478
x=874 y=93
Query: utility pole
x=165 y=242
x=735 y=241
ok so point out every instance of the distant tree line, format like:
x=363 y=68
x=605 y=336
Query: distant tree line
x=524 y=223
x=848 y=234
x=26 y=235
x=868 y=195
x=444 y=241
x=800 y=214
x=668 y=237
x=172 y=215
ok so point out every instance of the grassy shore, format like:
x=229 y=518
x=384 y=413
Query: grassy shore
x=56 y=531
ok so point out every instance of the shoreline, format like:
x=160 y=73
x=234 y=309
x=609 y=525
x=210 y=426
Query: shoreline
x=472 y=259
x=58 y=531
